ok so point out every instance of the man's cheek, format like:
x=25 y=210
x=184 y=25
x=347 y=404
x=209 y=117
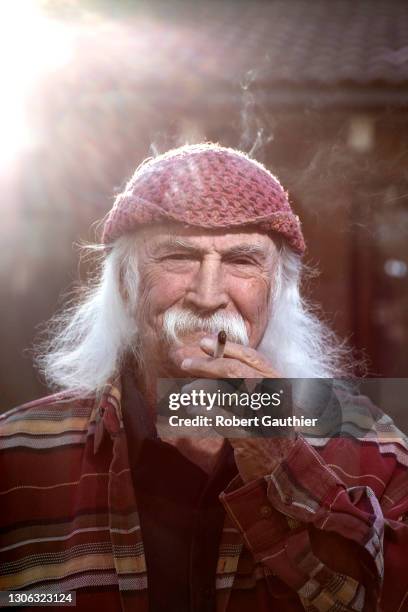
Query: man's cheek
x=252 y=303
x=154 y=301
x=251 y=298
x=163 y=292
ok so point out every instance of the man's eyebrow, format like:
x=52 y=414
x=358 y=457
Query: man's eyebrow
x=245 y=249
x=237 y=249
x=178 y=243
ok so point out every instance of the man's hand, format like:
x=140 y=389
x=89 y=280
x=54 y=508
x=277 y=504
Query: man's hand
x=255 y=457
x=238 y=361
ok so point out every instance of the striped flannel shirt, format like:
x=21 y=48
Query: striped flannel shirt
x=325 y=531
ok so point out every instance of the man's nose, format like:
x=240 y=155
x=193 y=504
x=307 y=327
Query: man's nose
x=206 y=292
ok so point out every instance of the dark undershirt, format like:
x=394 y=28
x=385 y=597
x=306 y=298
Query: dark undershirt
x=180 y=514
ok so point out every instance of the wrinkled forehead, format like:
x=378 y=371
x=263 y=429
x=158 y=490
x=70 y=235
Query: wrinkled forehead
x=157 y=237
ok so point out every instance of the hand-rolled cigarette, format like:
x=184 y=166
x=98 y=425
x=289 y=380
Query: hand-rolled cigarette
x=220 y=348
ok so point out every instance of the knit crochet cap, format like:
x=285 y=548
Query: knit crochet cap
x=206 y=186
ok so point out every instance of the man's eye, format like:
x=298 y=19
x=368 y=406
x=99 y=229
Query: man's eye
x=242 y=261
x=178 y=257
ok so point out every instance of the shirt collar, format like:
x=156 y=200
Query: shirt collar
x=121 y=405
x=108 y=411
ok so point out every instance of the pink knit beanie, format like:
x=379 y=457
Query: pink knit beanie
x=206 y=186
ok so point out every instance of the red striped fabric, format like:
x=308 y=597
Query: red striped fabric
x=327 y=530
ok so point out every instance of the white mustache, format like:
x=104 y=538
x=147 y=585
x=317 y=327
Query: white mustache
x=177 y=322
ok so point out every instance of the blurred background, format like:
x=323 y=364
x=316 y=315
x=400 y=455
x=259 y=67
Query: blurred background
x=317 y=90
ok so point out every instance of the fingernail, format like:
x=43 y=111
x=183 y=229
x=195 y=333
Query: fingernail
x=186 y=363
x=207 y=343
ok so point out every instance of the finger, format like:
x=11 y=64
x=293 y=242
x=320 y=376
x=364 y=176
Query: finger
x=177 y=355
x=245 y=354
x=217 y=368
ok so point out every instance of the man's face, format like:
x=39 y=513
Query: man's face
x=204 y=272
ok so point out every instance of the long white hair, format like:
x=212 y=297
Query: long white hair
x=85 y=344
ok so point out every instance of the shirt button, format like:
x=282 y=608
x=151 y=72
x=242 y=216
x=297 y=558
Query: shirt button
x=265 y=511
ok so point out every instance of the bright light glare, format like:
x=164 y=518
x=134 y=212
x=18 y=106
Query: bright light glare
x=31 y=45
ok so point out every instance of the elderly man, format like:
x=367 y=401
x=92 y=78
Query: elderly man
x=94 y=501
